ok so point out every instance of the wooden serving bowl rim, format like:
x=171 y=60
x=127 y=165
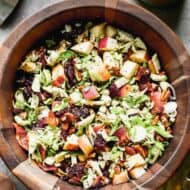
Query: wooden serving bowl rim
x=164 y=172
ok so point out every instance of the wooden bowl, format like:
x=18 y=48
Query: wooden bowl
x=159 y=38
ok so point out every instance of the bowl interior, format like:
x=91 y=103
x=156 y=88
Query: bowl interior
x=168 y=51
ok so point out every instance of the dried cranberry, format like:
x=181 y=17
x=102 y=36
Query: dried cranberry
x=23 y=79
x=70 y=73
x=114 y=90
x=77 y=170
x=59 y=113
x=64 y=134
x=105 y=172
x=99 y=142
x=17 y=111
x=79 y=112
x=27 y=92
x=40 y=98
x=70 y=36
x=64 y=164
x=39 y=124
x=46 y=94
x=143 y=75
x=58 y=99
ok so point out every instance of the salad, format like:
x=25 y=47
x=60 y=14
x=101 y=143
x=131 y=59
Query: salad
x=92 y=105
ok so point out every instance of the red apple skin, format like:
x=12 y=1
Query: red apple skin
x=107 y=44
x=91 y=93
x=103 y=43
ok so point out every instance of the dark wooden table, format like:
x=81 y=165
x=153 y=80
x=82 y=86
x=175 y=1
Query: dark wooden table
x=177 y=17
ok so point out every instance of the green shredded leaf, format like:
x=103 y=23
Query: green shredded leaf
x=66 y=55
x=45 y=77
x=49 y=137
x=58 y=107
x=20 y=102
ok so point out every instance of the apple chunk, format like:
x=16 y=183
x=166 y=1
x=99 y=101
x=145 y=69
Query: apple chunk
x=139 y=56
x=120 y=178
x=83 y=47
x=135 y=161
x=58 y=75
x=71 y=143
x=85 y=144
x=129 y=69
x=107 y=44
x=98 y=30
x=98 y=73
x=110 y=31
x=110 y=61
x=90 y=93
x=154 y=64
x=137 y=172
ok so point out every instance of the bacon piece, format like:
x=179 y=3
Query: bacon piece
x=47 y=168
x=68 y=117
x=143 y=74
x=122 y=134
x=42 y=150
x=21 y=136
x=143 y=78
x=51 y=119
x=98 y=127
x=158 y=103
x=75 y=180
x=141 y=150
x=130 y=150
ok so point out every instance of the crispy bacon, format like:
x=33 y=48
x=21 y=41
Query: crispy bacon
x=143 y=78
x=97 y=127
x=122 y=134
x=158 y=103
x=42 y=150
x=68 y=117
x=141 y=150
x=143 y=74
x=75 y=180
x=21 y=136
x=130 y=150
x=47 y=168
x=51 y=119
